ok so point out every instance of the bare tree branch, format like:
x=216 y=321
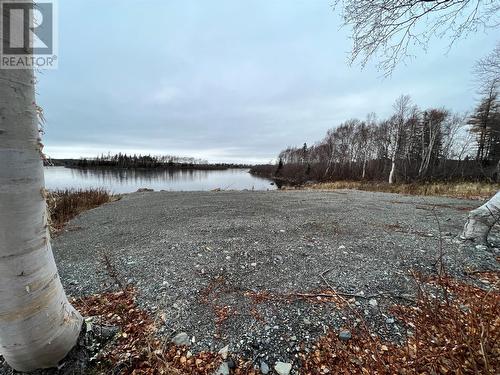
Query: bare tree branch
x=487 y=70
x=389 y=28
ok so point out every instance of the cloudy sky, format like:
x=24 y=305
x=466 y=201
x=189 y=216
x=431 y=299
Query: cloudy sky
x=224 y=80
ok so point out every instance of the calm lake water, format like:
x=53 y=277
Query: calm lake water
x=129 y=180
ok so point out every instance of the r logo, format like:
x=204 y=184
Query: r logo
x=20 y=37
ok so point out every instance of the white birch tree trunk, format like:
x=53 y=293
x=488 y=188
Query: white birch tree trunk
x=392 y=174
x=481 y=220
x=38 y=326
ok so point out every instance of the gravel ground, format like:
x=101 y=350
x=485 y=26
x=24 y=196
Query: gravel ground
x=226 y=267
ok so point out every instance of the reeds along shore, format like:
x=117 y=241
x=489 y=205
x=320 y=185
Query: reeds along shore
x=64 y=205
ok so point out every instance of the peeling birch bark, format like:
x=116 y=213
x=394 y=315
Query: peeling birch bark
x=392 y=174
x=38 y=326
x=481 y=220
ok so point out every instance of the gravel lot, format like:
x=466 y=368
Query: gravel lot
x=226 y=267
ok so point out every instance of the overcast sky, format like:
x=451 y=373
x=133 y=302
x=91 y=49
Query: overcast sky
x=224 y=80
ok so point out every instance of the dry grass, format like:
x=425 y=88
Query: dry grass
x=459 y=334
x=64 y=205
x=138 y=350
x=469 y=190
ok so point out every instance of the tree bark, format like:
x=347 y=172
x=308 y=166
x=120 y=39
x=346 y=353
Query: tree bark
x=481 y=220
x=38 y=326
x=392 y=174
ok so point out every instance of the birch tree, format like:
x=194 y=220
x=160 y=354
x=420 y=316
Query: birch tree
x=402 y=109
x=481 y=221
x=38 y=326
x=431 y=138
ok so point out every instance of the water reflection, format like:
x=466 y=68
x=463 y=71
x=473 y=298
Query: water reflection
x=129 y=180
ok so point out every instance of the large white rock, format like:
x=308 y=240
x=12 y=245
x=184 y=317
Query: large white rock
x=283 y=368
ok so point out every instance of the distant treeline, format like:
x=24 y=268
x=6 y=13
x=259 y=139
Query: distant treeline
x=124 y=161
x=412 y=145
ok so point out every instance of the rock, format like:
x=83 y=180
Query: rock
x=389 y=320
x=231 y=363
x=373 y=302
x=465 y=309
x=481 y=247
x=345 y=335
x=307 y=321
x=341 y=247
x=283 y=368
x=181 y=339
x=264 y=368
x=144 y=190
x=224 y=352
x=223 y=369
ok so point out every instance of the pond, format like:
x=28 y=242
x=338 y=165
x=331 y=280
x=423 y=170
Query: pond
x=129 y=180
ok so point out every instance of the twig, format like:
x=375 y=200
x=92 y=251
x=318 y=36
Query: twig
x=322 y=275
x=483 y=352
x=355 y=295
x=110 y=268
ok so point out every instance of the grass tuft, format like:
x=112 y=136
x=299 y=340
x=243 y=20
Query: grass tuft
x=468 y=190
x=64 y=205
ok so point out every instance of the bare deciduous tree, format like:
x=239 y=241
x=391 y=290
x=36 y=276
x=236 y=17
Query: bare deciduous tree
x=487 y=70
x=403 y=110
x=389 y=28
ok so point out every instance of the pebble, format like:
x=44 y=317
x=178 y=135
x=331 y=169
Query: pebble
x=283 y=368
x=224 y=352
x=481 y=247
x=464 y=308
x=223 y=369
x=345 y=335
x=264 y=368
x=373 y=302
x=231 y=363
x=181 y=339
x=389 y=320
